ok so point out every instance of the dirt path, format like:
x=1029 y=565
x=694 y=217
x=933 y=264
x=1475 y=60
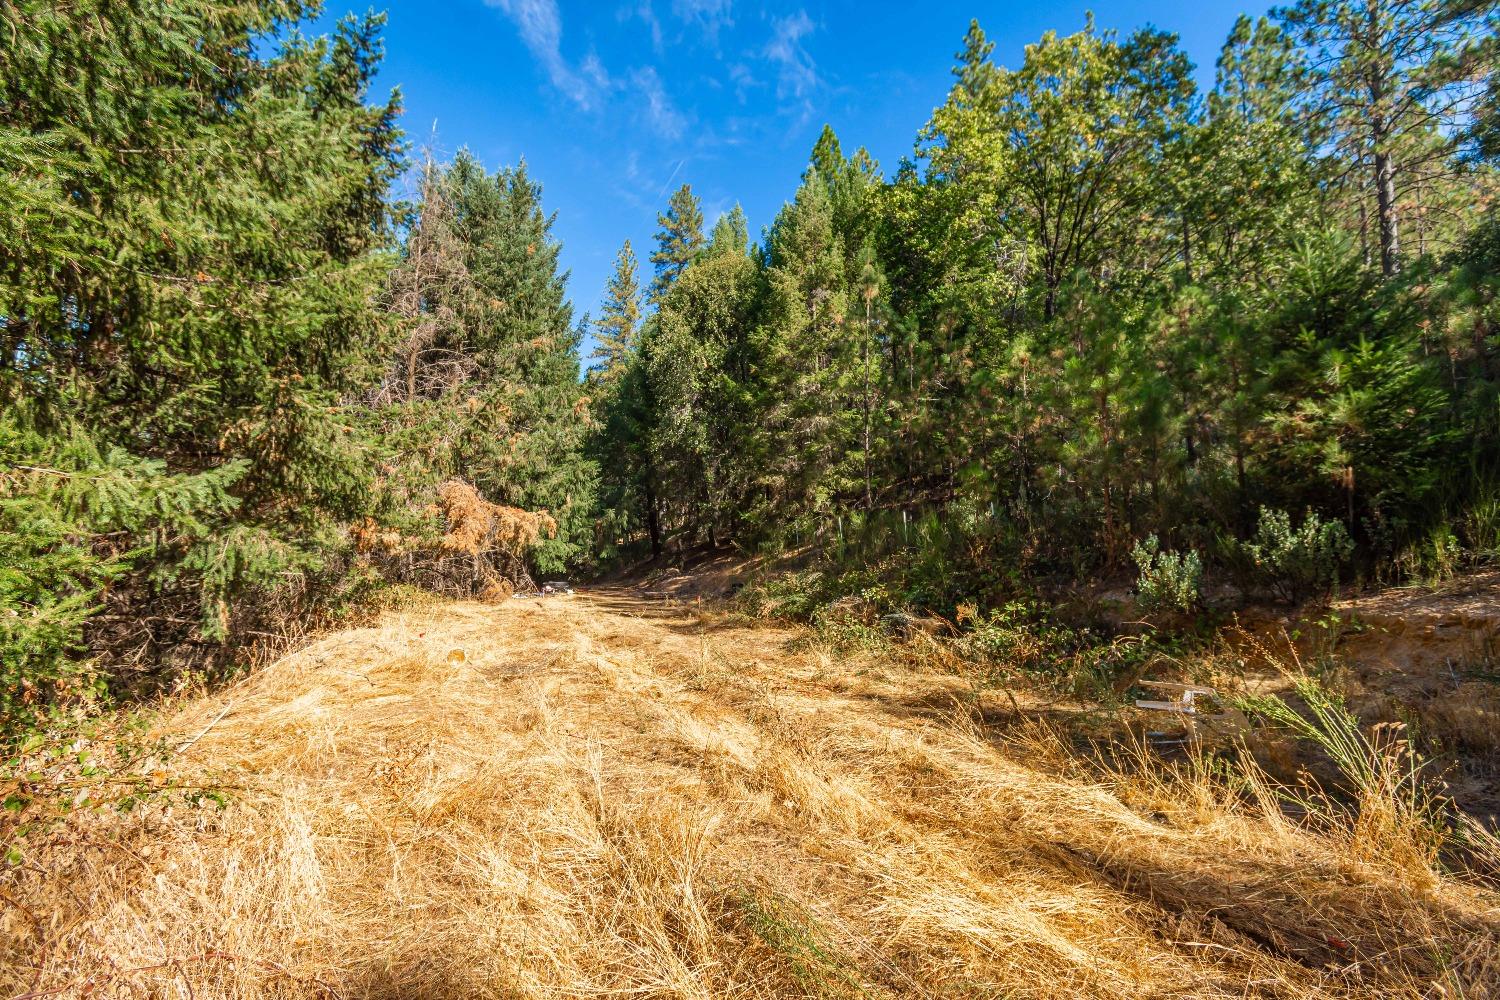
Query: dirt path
x=600 y=796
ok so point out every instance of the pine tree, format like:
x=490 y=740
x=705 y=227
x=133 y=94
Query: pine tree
x=523 y=441
x=678 y=241
x=1393 y=78
x=432 y=296
x=801 y=356
x=615 y=332
x=731 y=233
x=689 y=360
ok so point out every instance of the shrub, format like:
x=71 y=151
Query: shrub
x=1014 y=636
x=1298 y=563
x=1169 y=581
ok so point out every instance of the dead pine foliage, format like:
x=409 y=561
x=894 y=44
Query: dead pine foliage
x=481 y=553
x=478 y=527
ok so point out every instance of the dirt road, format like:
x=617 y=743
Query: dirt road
x=598 y=796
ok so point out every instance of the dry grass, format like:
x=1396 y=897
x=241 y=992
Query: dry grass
x=588 y=797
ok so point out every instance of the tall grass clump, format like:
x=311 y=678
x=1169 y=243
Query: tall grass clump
x=1395 y=817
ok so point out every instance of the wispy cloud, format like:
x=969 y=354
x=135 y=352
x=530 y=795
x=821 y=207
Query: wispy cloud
x=647 y=15
x=797 y=74
x=743 y=80
x=708 y=15
x=659 y=110
x=540 y=27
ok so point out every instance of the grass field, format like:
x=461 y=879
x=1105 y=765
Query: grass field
x=599 y=796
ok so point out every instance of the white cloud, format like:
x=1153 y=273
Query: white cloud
x=710 y=15
x=594 y=72
x=743 y=80
x=644 y=11
x=659 y=109
x=797 y=75
x=540 y=27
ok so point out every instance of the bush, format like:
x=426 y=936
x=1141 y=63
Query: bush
x=1298 y=563
x=1169 y=581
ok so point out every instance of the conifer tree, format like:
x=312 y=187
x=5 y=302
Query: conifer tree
x=731 y=233
x=615 y=332
x=1395 y=80
x=678 y=241
x=691 y=361
x=523 y=443
x=190 y=254
x=801 y=353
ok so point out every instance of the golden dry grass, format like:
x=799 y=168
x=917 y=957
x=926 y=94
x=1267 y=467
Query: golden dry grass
x=590 y=797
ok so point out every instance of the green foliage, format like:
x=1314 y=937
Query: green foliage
x=1168 y=581
x=1298 y=562
x=679 y=240
x=615 y=331
x=1098 y=306
x=801 y=945
x=191 y=249
x=48 y=776
x=485 y=385
x=74 y=521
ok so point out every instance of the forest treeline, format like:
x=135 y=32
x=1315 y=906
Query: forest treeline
x=1096 y=315
x=1096 y=308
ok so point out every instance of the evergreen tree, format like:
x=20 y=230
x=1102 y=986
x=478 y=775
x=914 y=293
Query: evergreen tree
x=1393 y=79
x=192 y=242
x=801 y=356
x=523 y=442
x=615 y=333
x=731 y=233
x=678 y=241
x=690 y=360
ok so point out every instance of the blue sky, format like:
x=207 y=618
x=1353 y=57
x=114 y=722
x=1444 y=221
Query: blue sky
x=613 y=103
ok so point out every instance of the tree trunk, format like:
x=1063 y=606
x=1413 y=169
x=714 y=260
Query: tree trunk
x=1385 y=203
x=653 y=520
x=1380 y=134
x=865 y=372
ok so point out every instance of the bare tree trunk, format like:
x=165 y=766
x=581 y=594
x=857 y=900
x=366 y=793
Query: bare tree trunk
x=1380 y=135
x=1385 y=203
x=865 y=373
x=653 y=519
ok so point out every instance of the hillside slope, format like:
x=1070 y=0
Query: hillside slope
x=599 y=796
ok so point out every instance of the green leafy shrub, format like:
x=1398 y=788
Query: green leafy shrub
x=1301 y=562
x=1169 y=581
x=1021 y=639
x=106 y=764
x=1018 y=637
